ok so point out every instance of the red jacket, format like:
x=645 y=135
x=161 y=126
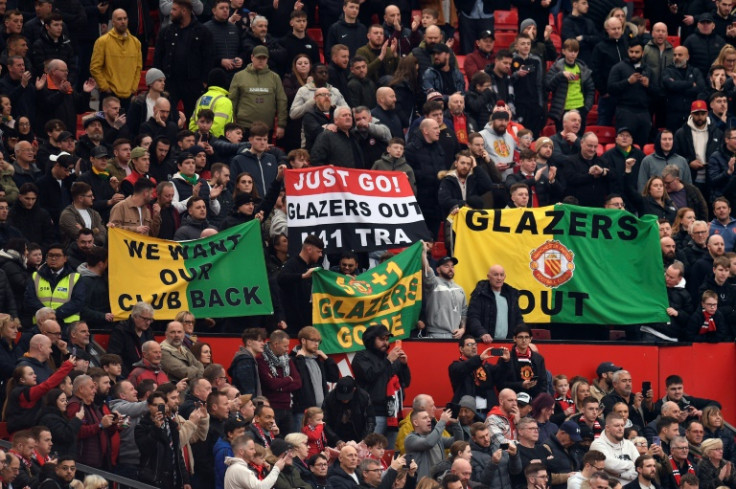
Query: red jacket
x=475 y=62
x=98 y=447
x=277 y=388
x=144 y=370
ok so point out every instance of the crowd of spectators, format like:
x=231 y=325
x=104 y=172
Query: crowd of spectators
x=135 y=115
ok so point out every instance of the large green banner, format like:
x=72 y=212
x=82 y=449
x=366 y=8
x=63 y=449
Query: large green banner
x=389 y=294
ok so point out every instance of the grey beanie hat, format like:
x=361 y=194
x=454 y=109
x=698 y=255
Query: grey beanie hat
x=526 y=23
x=154 y=74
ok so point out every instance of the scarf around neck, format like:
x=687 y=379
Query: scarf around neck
x=274 y=362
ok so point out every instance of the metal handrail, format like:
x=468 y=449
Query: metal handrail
x=109 y=476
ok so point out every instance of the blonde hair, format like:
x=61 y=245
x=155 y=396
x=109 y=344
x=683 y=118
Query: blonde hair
x=94 y=482
x=310 y=413
x=558 y=378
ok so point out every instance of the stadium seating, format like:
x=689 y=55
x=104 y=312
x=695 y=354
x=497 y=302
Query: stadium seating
x=606 y=134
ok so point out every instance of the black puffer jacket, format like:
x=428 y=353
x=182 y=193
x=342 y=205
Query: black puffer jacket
x=427 y=160
x=17 y=274
x=373 y=370
x=482 y=311
x=161 y=457
x=362 y=419
x=703 y=49
x=606 y=54
x=126 y=343
x=46 y=48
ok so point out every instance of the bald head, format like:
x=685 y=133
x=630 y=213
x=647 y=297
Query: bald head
x=670 y=408
x=463 y=469
x=432 y=35
x=40 y=347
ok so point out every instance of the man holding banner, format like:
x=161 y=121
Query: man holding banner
x=295 y=284
x=446 y=304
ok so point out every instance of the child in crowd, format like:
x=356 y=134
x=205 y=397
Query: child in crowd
x=393 y=160
x=707 y=325
x=258 y=465
x=314 y=428
x=431 y=16
x=563 y=399
x=376 y=444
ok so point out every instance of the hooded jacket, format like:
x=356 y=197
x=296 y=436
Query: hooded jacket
x=191 y=228
x=116 y=63
x=684 y=143
x=362 y=419
x=263 y=168
x=35 y=223
x=258 y=95
x=450 y=194
x=654 y=163
x=373 y=370
x=556 y=82
x=620 y=457
x=631 y=96
x=389 y=163
x=351 y=35
x=717 y=169
x=143 y=370
x=238 y=476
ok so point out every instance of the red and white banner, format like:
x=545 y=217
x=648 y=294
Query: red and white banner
x=359 y=210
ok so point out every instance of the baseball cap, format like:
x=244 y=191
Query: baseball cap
x=99 y=152
x=622 y=129
x=440 y=47
x=93 y=118
x=486 y=34
x=445 y=259
x=698 y=106
x=260 y=51
x=64 y=135
x=572 y=429
x=607 y=367
x=345 y=388
x=434 y=96
x=542 y=141
x=523 y=398
x=705 y=17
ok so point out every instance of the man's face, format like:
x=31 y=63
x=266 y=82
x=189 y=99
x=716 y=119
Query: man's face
x=298 y=24
x=103 y=385
x=16 y=68
x=351 y=11
x=447 y=271
x=582 y=6
x=172 y=402
x=500 y=125
x=44 y=443
x=14 y=24
x=198 y=210
x=571 y=123
x=456 y=104
x=621 y=409
x=476 y=146
x=588 y=147
x=590 y=411
x=699 y=233
x=469 y=348
x=376 y=37
x=672 y=277
x=520 y=197
x=55 y=259
x=668 y=248
x=363 y=120
x=508 y=403
x=529 y=432
x=81 y=334
x=680 y=56
x=175 y=333
x=432 y=36
x=348 y=266
x=341 y=58
x=432 y=131
x=372 y=474
x=55 y=28
x=721 y=274
x=258 y=144
x=613 y=28
x=615 y=429
x=465 y=471
x=463 y=165
x=122 y=153
x=260 y=29
x=659 y=33
x=623 y=385
x=349 y=458
x=719 y=105
x=598 y=483
x=221 y=12
x=721 y=210
x=706 y=28
x=716 y=246
x=648 y=469
x=422 y=423
x=154 y=354
x=465 y=416
x=695 y=433
x=675 y=392
x=503 y=66
x=440 y=59
x=4 y=211
x=496 y=277
x=635 y=53
x=700 y=118
x=724 y=7
x=266 y=419
x=280 y=347
x=259 y=62
x=679 y=451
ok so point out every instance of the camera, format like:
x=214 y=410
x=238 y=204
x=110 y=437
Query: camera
x=497 y=352
x=504 y=446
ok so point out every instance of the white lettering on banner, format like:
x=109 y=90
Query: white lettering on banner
x=367 y=236
x=334 y=208
x=332 y=177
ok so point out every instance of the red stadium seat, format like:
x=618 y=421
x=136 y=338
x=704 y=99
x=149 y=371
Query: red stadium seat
x=461 y=63
x=606 y=134
x=504 y=40
x=316 y=34
x=591 y=118
x=556 y=40
x=149 y=57
x=610 y=146
x=4 y=435
x=549 y=130
x=541 y=334
x=674 y=40
x=600 y=150
x=506 y=20
x=142 y=86
x=648 y=149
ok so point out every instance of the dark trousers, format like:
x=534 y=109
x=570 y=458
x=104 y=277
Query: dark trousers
x=530 y=115
x=188 y=91
x=639 y=123
x=606 y=109
x=470 y=30
x=285 y=421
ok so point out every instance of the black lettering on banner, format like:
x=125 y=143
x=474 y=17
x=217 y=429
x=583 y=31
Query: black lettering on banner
x=527 y=223
x=200 y=299
x=135 y=248
x=476 y=224
x=601 y=225
x=561 y=300
x=497 y=222
x=628 y=228
x=577 y=224
x=556 y=216
x=170 y=299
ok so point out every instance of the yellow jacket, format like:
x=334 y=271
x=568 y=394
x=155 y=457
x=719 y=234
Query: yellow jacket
x=116 y=63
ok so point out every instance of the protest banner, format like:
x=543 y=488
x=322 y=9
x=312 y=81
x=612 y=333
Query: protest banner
x=389 y=294
x=359 y=210
x=223 y=275
x=571 y=264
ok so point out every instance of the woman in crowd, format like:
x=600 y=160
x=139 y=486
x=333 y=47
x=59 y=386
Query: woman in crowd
x=714 y=427
x=203 y=352
x=712 y=470
x=681 y=227
x=543 y=406
x=459 y=449
x=293 y=81
x=23 y=393
x=409 y=94
x=244 y=185
x=64 y=430
x=9 y=351
x=654 y=200
x=300 y=449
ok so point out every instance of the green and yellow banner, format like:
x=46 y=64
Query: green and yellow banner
x=389 y=294
x=223 y=275
x=571 y=264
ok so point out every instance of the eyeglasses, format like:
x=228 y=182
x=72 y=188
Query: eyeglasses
x=316 y=340
x=324 y=464
x=148 y=320
x=641 y=444
x=53 y=333
x=680 y=448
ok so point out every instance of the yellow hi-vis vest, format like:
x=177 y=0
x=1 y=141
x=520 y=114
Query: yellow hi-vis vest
x=57 y=297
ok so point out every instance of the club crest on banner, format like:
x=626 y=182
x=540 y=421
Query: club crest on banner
x=552 y=264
